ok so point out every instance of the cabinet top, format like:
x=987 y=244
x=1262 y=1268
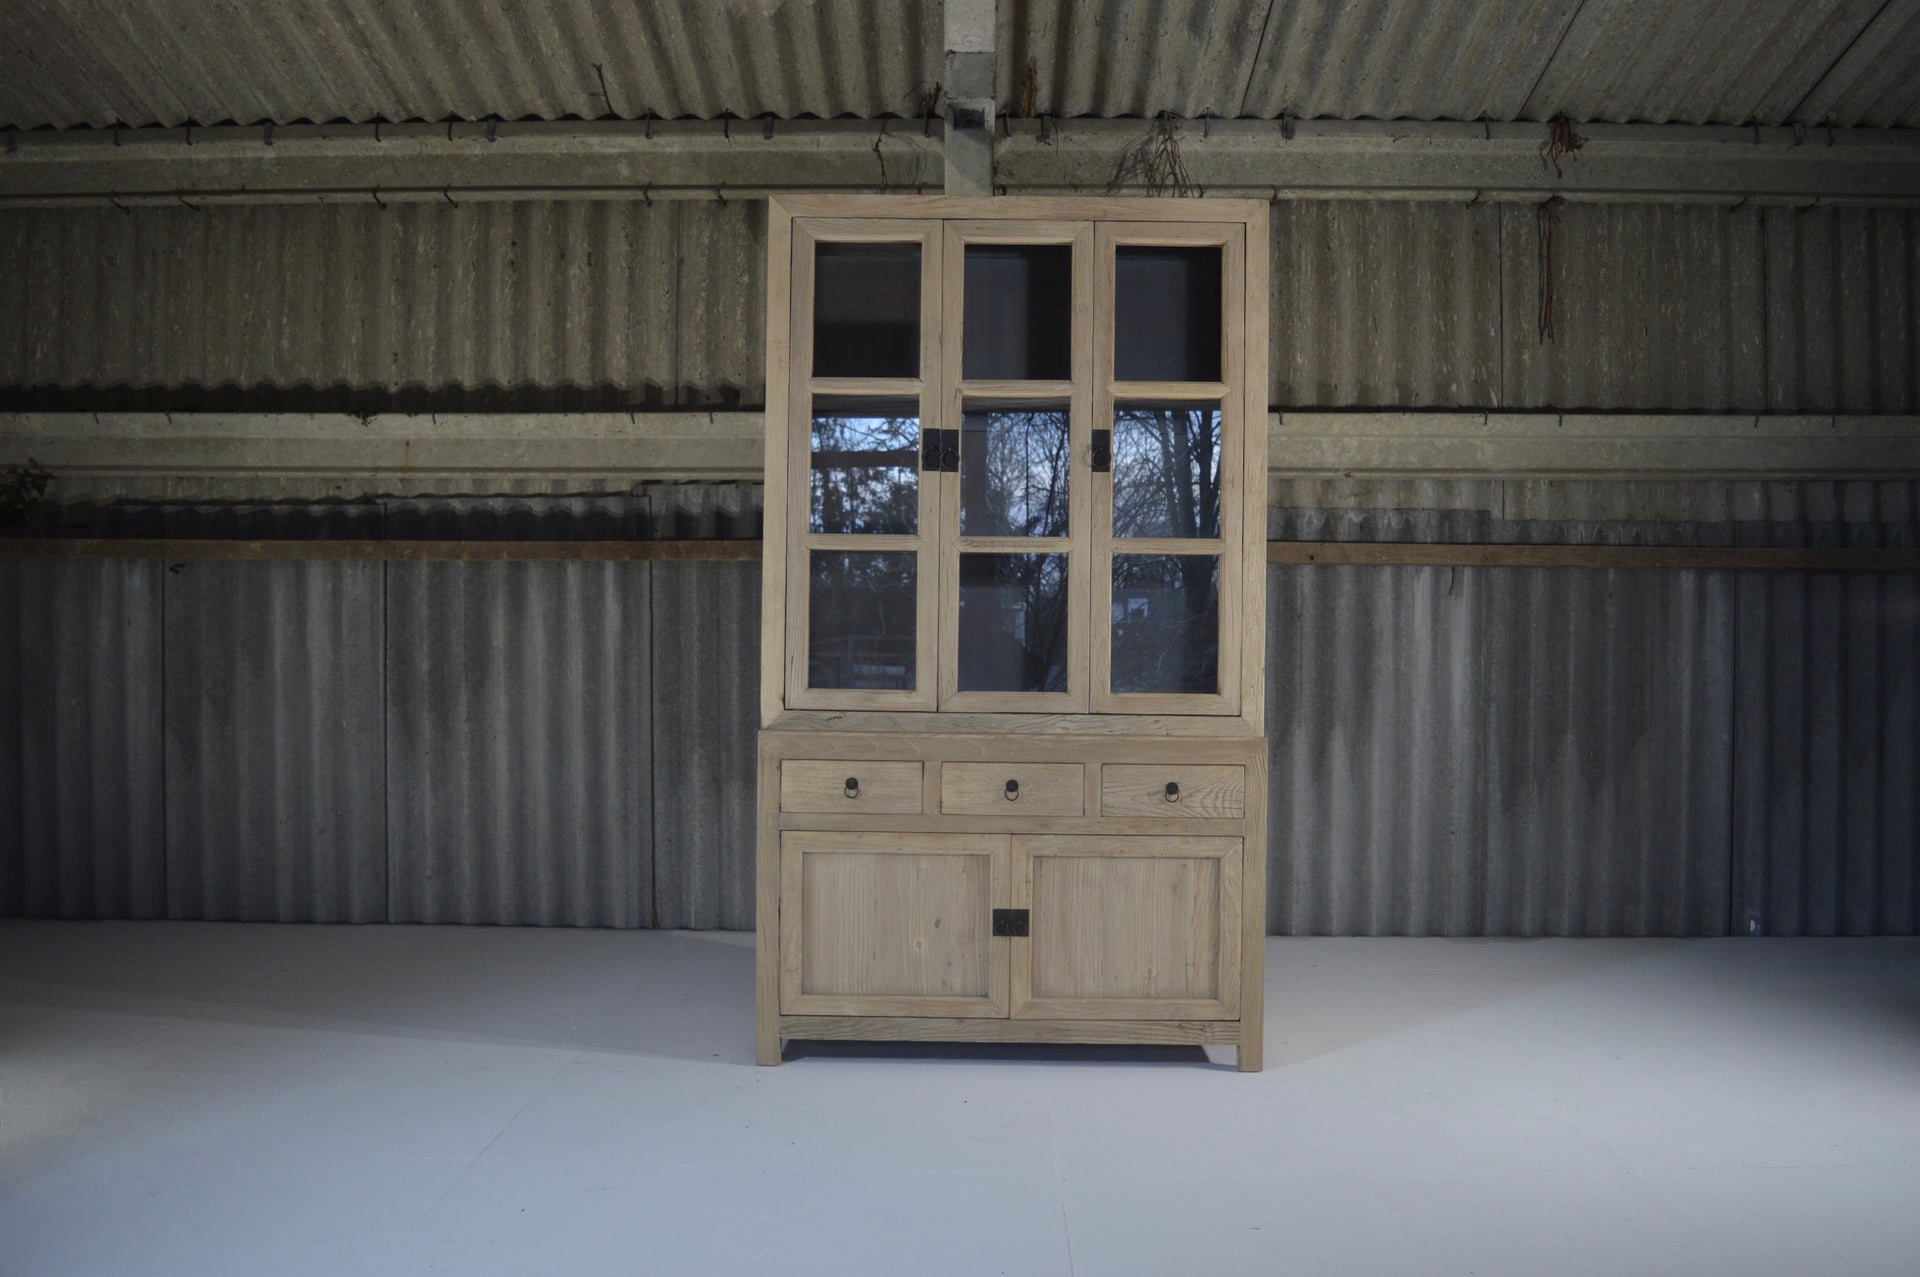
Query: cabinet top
x=1022 y=207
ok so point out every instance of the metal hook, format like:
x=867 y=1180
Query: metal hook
x=375 y=192
x=446 y=193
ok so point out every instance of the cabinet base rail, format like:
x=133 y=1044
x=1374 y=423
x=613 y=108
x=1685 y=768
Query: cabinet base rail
x=873 y=1028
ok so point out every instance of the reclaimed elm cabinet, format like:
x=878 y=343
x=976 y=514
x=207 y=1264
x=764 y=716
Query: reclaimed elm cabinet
x=1012 y=771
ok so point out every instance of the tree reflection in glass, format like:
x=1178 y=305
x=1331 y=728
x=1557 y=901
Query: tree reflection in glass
x=860 y=619
x=1013 y=470
x=1166 y=470
x=1166 y=623
x=1013 y=623
x=866 y=466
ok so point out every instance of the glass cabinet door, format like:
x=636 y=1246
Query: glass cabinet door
x=1013 y=465
x=1167 y=448
x=1014 y=512
x=864 y=338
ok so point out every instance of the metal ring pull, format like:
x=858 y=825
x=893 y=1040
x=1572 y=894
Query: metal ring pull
x=853 y=787
x=1173 y=791
x=1013 y=791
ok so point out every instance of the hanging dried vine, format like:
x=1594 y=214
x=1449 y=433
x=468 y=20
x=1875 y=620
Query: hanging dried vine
x=1154 y=162
x=1561 y=140
x=1546 y=222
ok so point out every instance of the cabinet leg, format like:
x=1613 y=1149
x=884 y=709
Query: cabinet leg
x=767 y=1048
x=1250 y=1051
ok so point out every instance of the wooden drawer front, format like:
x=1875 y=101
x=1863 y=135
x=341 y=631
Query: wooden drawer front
x=1043 y=789
x=1204 y=793
x=888 y=789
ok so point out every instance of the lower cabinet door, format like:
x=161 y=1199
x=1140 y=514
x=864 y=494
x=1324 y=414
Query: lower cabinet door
x=1127 y=928
x=893 y=924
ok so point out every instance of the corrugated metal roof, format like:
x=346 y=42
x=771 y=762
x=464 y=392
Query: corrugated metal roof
x=81 y=834
x=1722 y=62
x=1405 y=59
x=275 y=744
x=94 y=62
x=173 y=62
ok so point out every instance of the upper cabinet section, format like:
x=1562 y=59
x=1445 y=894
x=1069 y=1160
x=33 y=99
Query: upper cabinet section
x=1012 y=467
x=1167 y=301
x=866 y=310
x=1019 y=312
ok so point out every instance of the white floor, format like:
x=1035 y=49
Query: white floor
x=204 y=1098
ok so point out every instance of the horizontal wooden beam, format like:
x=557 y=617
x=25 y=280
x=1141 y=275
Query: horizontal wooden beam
x=1699 y=558
x=384 y=550
x=1295 y=553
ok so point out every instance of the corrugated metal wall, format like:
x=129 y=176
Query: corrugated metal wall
x=421 y=307
x=274 y=691
x=1488 y=751
x=607 y=305
x=80 y=750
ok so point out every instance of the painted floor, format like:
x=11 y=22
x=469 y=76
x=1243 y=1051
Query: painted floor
x=218 y=1098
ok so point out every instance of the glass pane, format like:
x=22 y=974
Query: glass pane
x=1166 y=313
x=1013 y=622
x=866 y=466
x=1166 y=623
x=1019 y=320
x=866 y=310
x=860 y=614
x=1166 y=470
x=1013 y=470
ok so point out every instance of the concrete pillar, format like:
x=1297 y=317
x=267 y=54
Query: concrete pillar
x=971 y=96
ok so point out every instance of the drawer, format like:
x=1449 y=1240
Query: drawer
x=1013 y=789
x=1201 y=792
x=851 y=788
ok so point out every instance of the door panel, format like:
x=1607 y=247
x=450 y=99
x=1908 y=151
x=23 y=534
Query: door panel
x=1127 y=928
x=892 y=924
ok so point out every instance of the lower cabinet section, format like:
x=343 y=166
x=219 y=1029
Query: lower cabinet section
x=1127 y=928
x=892 y=924
x=1090 y=926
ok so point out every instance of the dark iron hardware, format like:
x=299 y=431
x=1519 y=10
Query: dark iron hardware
x=1009 y=922
x=950 y=451
x=1102 y=451
x=1173 y=791
x=1013 y=791
x=853 y=787
x=930 y=450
